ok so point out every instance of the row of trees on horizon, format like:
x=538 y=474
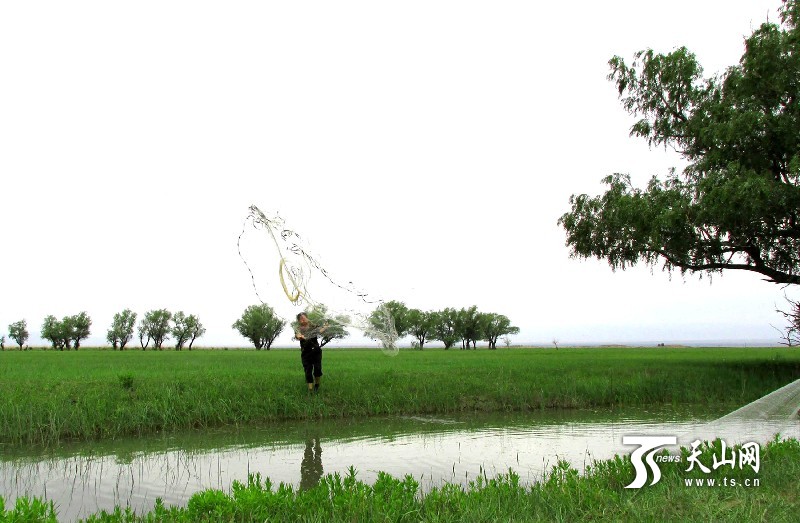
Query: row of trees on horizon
x=261 y=326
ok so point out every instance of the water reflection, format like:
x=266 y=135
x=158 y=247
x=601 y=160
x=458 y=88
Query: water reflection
x=82 y=479
x=311 y=467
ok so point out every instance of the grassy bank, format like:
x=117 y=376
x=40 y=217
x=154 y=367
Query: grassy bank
x=46 y=396
x=563 y=495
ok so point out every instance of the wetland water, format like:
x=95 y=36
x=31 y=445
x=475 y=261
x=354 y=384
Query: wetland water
x=83 y=479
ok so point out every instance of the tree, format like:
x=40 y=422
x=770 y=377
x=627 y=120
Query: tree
x=392 y=314
x=790 y=336
x=444 y=326
x=399 y=313
x=121 y=330
x=496 y=325
x=79 y=328
x=2 y=342
x=155 y=326
x=735 y=206
x=468 y=326
x=143 y=333
x=54 y=331
x=420 y=325
x=196 y=329
x=18 y=331
x=186 y=328
x=260 y=325
x=180 y=329
x=64 y=329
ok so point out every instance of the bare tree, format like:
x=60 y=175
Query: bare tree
x=790 y=335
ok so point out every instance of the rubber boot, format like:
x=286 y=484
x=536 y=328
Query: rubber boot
x=317 y=381
x=310 y=388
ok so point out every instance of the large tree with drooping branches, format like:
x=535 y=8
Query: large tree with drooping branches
x=736 y=204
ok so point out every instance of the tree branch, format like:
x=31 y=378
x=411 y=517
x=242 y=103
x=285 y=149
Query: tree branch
x=774 y=276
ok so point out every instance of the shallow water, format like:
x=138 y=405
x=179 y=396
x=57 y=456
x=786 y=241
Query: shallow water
x=85 y=478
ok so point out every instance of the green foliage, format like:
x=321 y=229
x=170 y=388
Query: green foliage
x=445 y=326
x=492 y=326
x=399 y=314
x=18 y=331
x=70 y=330
x=80 y=328
x=420 y=325
x=121 y=330
x=155 y=326
x=196 y=329
x=28 y=510
x=55 y=332
x=66 y=327
x=260 y=325
x=468 y=326
x=736 y=204
x=185 y=328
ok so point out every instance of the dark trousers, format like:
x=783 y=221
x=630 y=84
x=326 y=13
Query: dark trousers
x=312 y=363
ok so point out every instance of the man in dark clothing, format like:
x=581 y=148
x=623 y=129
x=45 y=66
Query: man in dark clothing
x=310 y=351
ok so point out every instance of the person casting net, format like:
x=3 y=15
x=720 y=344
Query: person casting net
x=303 y=281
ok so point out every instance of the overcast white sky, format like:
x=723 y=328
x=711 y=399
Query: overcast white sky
x=425 y=149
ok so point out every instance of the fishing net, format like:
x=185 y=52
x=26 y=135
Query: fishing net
x=775 y=413
x=305 y=284
x=780 y=405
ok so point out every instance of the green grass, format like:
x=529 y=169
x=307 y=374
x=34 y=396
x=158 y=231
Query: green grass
x=562 y=495
x=47 y=397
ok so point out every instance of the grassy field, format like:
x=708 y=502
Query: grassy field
x=47 y=397
x=562 y=495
